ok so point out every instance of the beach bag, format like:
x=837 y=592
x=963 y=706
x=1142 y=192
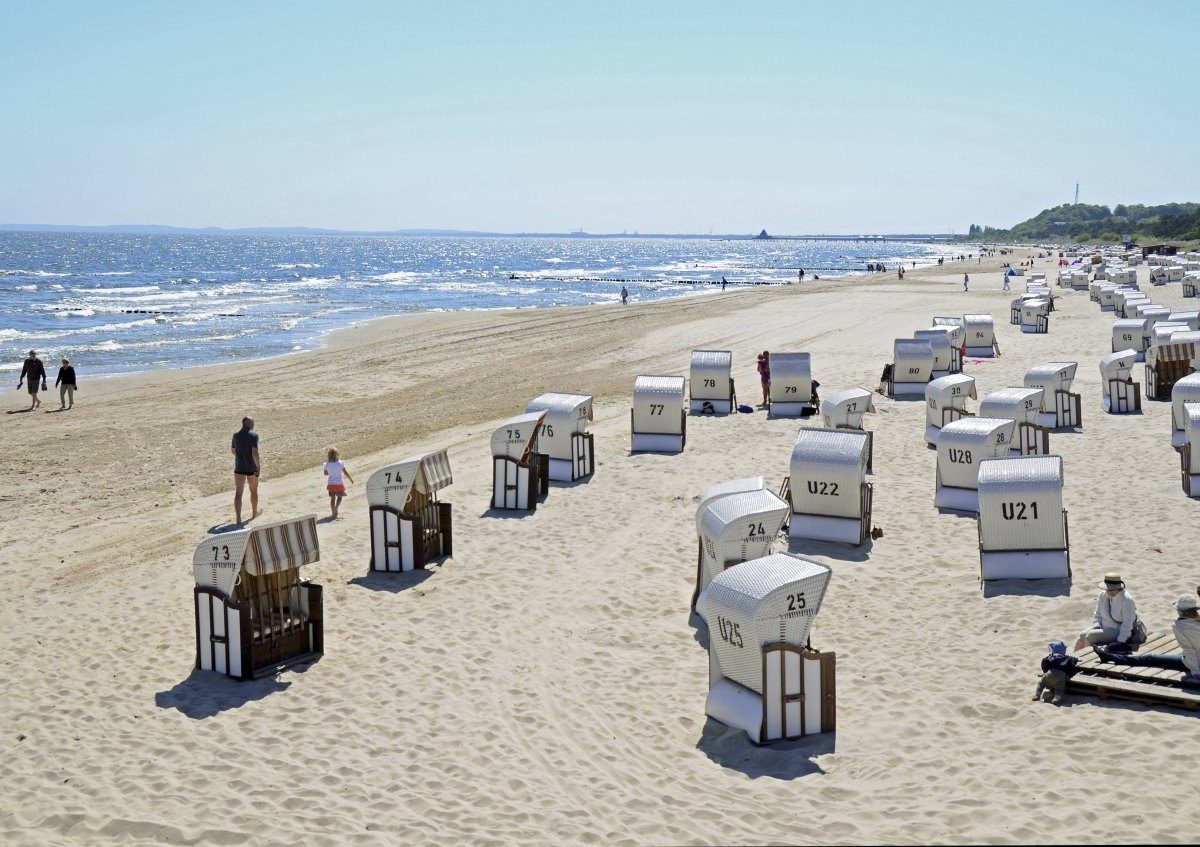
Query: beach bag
x=1138 y=635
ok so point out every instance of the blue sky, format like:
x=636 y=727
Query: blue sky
x=552 y=116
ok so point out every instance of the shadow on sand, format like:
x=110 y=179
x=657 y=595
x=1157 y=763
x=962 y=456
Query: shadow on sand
x=391 y=581
x=730 y=748
x=205 y=694
x=1027 y=587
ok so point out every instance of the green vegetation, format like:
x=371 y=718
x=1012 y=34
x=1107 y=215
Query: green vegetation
x=1077 y=222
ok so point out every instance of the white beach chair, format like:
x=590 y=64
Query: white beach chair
x=827 y=489
x=980 y=336
x=1035 y=315
x=1022 y=522
x=410 y=527
x=254 y=615
x=711 y=380
x=791 y=391
x=1022 y=406
x=1060 y=407
x=1130 y=334
x=1189 y=454
x=1166 y=364
x=658 y=420
x=1121 y=394
x=1185 y=390
x=564 y=437
x=520 y=473
x=734 y=528
x=961 y=447
x=763 y=677
x=945 y=401
x=946 y=360
x=912 y=368
x=845 y=410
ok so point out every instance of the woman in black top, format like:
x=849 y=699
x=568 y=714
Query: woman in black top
x=35 y=372
x=66 y=385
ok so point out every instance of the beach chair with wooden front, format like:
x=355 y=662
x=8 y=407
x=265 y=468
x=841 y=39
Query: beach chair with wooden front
x=1121 y=395
x=1191 y=284
x=564 y=438
x=520 y=473
x=658 y=420
x=958 y=339
x=945 y=401
x=736 y=527
x=1023 y=407
x=255 y=616
x=827 y=488
x=711 y=381
x=1022 y=522
x=1060 y=406
x=410 y=527
x=961 y=447
x=1166 y=364
x=791 y=390
x=1035 y=315
x=764 y=677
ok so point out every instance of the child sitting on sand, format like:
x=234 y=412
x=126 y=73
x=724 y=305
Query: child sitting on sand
x=335 y=469
x=1057 y=668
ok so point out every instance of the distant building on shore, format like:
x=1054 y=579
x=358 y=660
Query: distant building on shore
x=762 y=235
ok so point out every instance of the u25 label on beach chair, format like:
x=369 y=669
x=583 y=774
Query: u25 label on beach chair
x=731 y=633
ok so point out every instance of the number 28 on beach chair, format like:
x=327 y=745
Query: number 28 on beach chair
x=254 y=615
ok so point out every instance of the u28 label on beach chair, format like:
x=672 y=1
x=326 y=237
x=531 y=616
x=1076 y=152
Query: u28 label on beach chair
x=959 y=457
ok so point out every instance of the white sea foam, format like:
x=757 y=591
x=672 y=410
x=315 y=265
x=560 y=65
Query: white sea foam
x=118 y=292
x=25 y=288
x=295 y=266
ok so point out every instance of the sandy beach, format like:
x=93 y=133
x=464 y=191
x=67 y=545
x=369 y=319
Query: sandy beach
x=545 y=684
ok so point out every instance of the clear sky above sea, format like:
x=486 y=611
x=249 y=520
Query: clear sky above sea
x=655 y=116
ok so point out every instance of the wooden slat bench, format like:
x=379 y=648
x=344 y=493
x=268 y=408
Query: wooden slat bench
x=1152 y=686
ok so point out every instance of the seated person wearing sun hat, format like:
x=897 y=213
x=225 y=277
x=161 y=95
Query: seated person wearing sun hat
x=1186 y=630
x=1114 y=618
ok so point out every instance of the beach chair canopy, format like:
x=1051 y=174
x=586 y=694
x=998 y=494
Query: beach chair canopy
x=846 y=408
x=940 y=343
x=951 y=389
x=769 y=600
x=658 y=404
x=572 y=411
x=740 y=526
x=1164 y=332
x=1052 y=376
x=1016 y=404
x=956 y=331
x=262 y=549
x=393 y=485
x=1192 y=319
x=981 y=330
x=1118 y=366
x=913 y=360
x=710 y=374
x=1129 y=332
x=791 y=371
x=964 y=443
x=1021 y=504
x=729 y=486
x=1153 y=312
x=517 y=437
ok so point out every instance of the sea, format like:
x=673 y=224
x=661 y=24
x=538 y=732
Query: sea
x=124 y=303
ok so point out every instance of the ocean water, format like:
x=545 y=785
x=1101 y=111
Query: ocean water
x=117 y=303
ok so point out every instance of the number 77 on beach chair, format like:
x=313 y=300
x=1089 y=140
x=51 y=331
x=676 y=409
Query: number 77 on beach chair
x=254 y=615
x=658 y=420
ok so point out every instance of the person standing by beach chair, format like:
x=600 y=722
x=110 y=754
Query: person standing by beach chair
x=246 y=467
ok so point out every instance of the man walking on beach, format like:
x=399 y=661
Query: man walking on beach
x=966 y=279
x=624 y=296
x=246 y=467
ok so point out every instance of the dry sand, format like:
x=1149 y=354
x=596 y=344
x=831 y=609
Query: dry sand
x=545 y=686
